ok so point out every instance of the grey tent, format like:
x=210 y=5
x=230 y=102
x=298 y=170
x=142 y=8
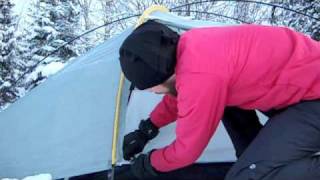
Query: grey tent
x=64 y=126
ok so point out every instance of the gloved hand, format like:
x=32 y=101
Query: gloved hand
x=141 y=167
x=134 y=142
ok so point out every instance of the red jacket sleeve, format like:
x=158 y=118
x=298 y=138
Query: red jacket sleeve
x=201 y=102
x=165 y=112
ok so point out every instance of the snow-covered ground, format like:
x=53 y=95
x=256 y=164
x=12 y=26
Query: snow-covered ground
x=37 y=177
x=46 y=70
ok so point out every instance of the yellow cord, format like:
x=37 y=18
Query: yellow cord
x=141 y=20
x=116 y=120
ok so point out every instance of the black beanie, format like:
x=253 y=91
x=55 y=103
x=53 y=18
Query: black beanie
x=148 y=54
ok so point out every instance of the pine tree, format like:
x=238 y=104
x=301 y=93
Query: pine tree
x=300 y=22
x=53 y=24
x=66 y=19
x=304 y=23
x=39 y=32
x=10 y=67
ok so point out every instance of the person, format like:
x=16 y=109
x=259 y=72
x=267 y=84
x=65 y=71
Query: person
x=213 y=73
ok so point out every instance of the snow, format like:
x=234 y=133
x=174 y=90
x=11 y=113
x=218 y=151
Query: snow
x=21 y=92
x=6 y=84
x=37 y=177
x=52 y=68
x=46 y=70
x=20 y=5
x=49 y=48
x=49 y=29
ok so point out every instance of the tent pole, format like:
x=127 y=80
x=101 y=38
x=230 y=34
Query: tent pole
x=141 y=20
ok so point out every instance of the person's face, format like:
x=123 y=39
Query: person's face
x=167 y=87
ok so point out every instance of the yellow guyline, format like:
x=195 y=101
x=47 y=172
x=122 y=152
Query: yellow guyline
x=141 y=20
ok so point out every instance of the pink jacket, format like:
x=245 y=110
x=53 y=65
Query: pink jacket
x=248 y=66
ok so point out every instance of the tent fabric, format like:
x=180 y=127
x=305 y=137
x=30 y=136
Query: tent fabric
x=141 y=104
x=64 y=126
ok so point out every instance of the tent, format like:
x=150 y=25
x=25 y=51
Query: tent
x=64 y=126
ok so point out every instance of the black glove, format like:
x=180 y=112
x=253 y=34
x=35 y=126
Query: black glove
x=141 y=167
x=134 y=142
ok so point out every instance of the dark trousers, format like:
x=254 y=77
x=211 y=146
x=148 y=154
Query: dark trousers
x=242 y=127
x=284 y=149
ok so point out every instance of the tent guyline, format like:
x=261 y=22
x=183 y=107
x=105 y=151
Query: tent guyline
x=211 y=13
x=248 y=1
x=174 y=9
x=69 y=42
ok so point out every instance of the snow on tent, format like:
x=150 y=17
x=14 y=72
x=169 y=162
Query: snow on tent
x=65 y=125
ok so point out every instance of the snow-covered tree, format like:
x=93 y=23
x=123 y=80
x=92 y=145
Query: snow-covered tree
x=39 y=31
x=249 y=12
x=10 y=67
x=123 y=8
x=66 y=19
x=107 y=10
x=304 y=23
x=86 y=6
x=194 y=10
x=90 y=18
x=52 y=24
x=300 y=22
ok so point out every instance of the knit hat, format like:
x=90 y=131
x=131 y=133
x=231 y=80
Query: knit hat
x=148 y=54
